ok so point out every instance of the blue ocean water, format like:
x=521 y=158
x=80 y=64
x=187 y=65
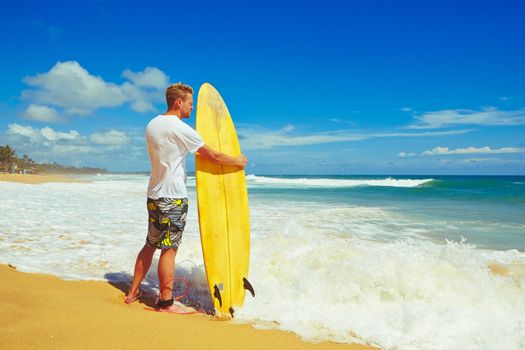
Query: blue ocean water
x=487 y=211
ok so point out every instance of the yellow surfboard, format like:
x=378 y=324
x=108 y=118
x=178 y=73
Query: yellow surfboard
x=222 y=199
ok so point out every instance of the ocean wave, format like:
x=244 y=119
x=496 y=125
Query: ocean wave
x=338 y=183
x=398 y=294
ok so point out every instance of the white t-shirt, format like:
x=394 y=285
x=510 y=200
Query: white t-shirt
x=169 y=140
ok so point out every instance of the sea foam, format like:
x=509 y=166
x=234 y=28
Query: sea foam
x=405 y=294
x=341 y=272
x=337 y=183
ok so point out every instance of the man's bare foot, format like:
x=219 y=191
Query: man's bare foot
x=131 y=298
x=178 y=308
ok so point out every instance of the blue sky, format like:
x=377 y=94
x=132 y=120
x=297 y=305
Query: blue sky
x=332 y=87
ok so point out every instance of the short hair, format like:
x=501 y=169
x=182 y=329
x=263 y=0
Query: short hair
x=175 y=91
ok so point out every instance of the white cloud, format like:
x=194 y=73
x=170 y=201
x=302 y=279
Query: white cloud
x=41 y=113
x=52 y=142
x=151 y=77
x=52 y=135
x=343 y=121
x=478 y=160
x=145 y=88
x=44 y=137
x=22 y=130
x=256 y=137
x=111 y=137
x=472 y=150
x=71 y=87
x=141 y=100
x=405 y=155
x=121 y=150
x=455 y=117
x=406 y=109
x=288 y=128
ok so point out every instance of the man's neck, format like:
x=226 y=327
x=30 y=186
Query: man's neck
x=174 y=112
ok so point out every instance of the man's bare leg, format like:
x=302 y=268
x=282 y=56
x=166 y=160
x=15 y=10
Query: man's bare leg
x=166 y=272
x=142 y=266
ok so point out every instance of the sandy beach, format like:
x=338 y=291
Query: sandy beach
x=36 y=179
x=45 y=312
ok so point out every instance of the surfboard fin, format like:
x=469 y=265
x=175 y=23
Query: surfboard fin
x=231 y=311
x=248 y=286
x=217 y=294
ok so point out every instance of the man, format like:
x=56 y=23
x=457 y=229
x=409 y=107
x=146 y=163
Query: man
x=169 y=140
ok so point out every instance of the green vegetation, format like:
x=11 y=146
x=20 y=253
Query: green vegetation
x=11 y=163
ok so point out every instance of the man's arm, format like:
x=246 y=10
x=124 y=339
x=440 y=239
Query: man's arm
x=221 y=158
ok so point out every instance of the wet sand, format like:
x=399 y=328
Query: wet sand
x=44 y=312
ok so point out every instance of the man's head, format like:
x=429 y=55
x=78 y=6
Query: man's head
x=179 y=97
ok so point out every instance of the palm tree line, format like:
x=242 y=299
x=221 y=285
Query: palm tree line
x=11 y=163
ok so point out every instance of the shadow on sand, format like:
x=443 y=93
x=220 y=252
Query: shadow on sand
x=149 y=294
x=193 y=294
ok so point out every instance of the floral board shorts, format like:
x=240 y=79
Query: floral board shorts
x=166 y=221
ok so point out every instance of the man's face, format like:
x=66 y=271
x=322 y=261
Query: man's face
x=186 y=106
